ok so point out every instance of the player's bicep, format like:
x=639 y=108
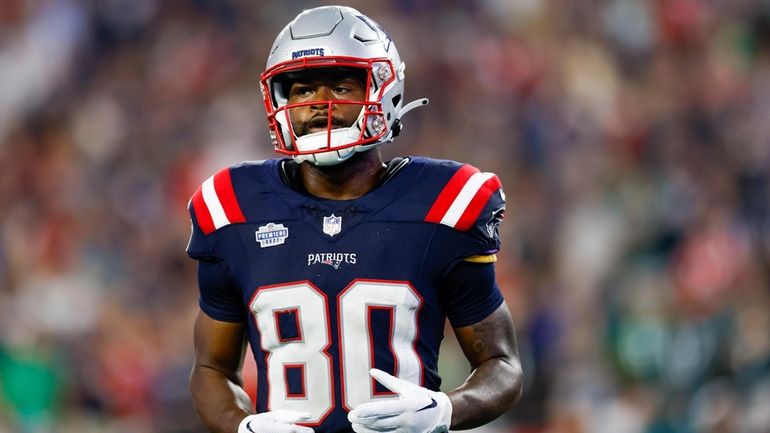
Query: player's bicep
x=492 y=337
x=219 y=345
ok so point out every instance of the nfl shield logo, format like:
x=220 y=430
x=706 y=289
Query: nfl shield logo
x=332 y=225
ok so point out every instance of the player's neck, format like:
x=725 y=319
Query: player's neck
x=345 y=181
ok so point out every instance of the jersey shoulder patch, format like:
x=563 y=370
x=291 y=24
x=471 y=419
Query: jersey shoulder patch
x=463 y=198
x=214 y=204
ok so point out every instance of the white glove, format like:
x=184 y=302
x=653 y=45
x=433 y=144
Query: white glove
x=275 y=421
x=417 y=410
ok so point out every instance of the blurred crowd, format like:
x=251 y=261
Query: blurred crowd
x=632 y=138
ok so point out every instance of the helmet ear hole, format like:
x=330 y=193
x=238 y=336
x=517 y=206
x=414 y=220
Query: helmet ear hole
x=396 y=99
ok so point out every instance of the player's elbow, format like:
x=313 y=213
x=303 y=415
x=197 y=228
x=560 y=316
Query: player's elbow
x=196 y=384
x=509 y=380
x=492 y=390
x=515 y=375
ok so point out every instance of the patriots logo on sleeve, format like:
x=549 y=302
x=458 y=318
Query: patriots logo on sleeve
x=494 y=222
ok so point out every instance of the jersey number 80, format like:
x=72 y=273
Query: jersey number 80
x=308 y=351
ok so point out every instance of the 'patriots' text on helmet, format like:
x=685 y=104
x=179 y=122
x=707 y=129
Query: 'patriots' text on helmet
x=335 y=37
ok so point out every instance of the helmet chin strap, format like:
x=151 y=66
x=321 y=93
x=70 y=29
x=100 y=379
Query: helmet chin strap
x=411 y=106
x=397 y=125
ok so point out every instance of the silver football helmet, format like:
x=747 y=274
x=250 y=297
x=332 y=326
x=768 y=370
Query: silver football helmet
x=338 y=37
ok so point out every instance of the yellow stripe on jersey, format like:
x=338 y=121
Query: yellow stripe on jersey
x=491 y=258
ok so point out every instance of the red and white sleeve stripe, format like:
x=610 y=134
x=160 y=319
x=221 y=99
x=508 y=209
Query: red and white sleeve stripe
x=463 y=198
x=215 y=204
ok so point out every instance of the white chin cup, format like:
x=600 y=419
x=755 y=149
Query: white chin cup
x=331 y=157
x=319 y=140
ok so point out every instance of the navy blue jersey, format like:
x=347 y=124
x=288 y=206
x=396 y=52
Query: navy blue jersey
x=331 y=288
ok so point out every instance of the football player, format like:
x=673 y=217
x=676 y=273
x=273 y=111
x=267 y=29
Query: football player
x=340 y=269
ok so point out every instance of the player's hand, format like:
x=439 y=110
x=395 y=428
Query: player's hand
x=276 y=421
x=417 y=410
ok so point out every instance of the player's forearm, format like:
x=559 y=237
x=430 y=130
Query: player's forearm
x=220 y=401
x=494 y=385
x=491 y=389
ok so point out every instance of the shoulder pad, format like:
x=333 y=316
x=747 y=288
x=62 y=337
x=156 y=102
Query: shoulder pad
x=463 y=198
x=215 y=204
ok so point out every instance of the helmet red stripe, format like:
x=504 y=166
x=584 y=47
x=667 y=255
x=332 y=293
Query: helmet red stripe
x=202 y=214
x=477 y=203
x=449 y=193
x=223 y=185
